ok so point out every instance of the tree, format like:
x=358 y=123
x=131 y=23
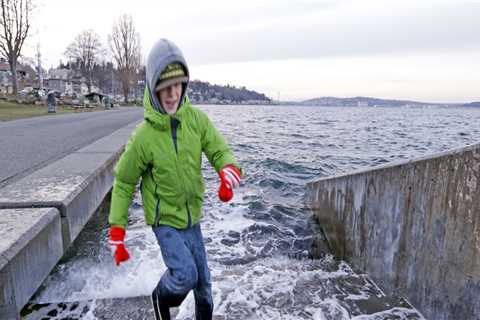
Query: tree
x=103 y=76
x=87 y=51
x=14 y=28
x=125 y=46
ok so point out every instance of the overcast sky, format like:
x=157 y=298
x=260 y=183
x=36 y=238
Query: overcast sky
x=423 y=50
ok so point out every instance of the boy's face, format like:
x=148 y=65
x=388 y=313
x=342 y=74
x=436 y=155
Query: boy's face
x=170 y=97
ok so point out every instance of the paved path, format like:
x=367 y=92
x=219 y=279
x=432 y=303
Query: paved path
x=28 y=144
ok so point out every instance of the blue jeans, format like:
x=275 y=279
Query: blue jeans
x=184 y=255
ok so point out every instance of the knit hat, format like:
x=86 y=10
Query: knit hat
x=173 y=73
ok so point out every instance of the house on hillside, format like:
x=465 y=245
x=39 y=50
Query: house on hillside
x=59 y=85
x=67 y=82
x=6 y=86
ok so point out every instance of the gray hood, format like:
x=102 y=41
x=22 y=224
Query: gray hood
x=162 y=54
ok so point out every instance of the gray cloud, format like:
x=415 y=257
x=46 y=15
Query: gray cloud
x=349 y=30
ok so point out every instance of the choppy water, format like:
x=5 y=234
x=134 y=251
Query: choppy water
x=259 y=245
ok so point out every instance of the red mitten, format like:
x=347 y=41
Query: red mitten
x=116 y=240
x=229 y=179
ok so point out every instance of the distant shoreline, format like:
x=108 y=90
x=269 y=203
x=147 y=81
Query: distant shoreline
x=373 y=102
x=443 y=106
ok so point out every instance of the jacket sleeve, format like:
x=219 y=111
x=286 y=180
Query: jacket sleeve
x=215 y=147
x=130 y=166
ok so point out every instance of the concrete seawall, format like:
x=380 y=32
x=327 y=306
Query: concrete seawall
x=42 y=214
x=31 y=245
x=413 y=226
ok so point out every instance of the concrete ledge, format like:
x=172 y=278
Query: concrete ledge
x=413 y=226
x=401 y=163
x=31 y=246
x=75 y=184
x=112 y=143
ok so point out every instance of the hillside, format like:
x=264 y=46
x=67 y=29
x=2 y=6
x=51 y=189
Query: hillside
x=205 y=93
x=366 y=102
x=472 y=104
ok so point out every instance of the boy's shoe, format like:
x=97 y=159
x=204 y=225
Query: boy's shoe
x=160 y=312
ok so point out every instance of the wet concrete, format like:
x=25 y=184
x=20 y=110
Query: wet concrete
x=106 y=309
x=31 y=246
x=414 y=227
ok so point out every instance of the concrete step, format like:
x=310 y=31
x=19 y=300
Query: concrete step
x=119 y=309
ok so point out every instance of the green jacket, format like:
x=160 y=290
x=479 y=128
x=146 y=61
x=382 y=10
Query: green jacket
x=172 y=185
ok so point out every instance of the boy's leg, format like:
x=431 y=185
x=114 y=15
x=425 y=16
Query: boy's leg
x=203 y=290
x=181 y=275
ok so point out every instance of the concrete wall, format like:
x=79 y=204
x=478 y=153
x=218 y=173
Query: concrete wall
x=42 y=214
x=413 y=226
x=31 y=246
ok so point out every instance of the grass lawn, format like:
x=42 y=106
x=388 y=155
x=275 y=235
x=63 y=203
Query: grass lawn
x=12 y=111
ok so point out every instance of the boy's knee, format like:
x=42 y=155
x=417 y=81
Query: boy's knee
x=186 y=279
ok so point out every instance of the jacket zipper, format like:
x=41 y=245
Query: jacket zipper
x=173 y=127
x=157 y=207
x=157 y=213
x=189 y=215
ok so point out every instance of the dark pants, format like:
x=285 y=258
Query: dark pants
x=184 y=255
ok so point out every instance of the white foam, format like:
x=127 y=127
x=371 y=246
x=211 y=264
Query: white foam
x=86 y=278
x=401 y=313
x=230 y=219
x=266 y=289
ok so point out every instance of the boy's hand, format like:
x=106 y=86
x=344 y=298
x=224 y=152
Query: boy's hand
x=116 y=238
x=229 y=179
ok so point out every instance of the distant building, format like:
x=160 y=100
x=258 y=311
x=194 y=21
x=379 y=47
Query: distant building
x=66 y=81
x=6 y=84
x=59 y=73
x=95 y=97
x=79 y=86
x=59 y=85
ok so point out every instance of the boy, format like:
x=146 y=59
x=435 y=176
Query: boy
x=165 y=150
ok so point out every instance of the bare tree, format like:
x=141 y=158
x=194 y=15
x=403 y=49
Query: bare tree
x=14 y=28
x=125 y=46
x=87 y=51
x=103 y=74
